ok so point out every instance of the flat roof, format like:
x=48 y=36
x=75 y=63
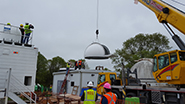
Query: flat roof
x=63 y=71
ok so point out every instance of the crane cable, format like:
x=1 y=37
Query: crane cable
x=97 y=31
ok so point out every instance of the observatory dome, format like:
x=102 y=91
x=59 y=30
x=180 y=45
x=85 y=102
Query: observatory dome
x=97 y=51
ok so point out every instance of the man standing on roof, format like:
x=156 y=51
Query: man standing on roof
x=7 y=28
x=22 y=32
x=79 y=64
x=76 y=65
x=108 y=97
x=27 y=32
x=67 y=67
x=89 y=96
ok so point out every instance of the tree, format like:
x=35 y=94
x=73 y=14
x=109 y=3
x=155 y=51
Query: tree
x=54 y=65
x=141 y=46
x=42 y=71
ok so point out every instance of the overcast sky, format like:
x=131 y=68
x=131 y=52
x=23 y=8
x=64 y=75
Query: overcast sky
x=66 y=27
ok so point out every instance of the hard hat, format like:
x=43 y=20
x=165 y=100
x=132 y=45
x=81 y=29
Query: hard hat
x=21 y=25
x=90 y=84
x=8 y=24
x=107 y=86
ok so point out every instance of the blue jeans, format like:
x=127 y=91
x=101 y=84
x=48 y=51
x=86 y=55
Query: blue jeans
x=26 y=38
x=67 y=69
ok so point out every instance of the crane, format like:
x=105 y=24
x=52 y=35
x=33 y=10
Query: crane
x=169 y=66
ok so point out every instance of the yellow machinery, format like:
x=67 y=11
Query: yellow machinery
x=107 y=77
x=169 y=66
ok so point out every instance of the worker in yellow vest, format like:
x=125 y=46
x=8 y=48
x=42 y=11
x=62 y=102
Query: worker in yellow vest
x=27 y=31
x=89 y=96
x=67 y=67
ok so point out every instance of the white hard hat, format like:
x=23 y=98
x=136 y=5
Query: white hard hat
x=90 y=84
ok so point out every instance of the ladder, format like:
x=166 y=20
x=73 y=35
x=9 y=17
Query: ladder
x=63 y=84
x=75 y=90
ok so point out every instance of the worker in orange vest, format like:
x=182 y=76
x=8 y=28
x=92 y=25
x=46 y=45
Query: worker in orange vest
x=79 y=64
x=108 y=97
x=76 y=65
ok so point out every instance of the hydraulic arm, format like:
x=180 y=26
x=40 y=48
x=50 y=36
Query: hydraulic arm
x=169 y=66
x=165 y=14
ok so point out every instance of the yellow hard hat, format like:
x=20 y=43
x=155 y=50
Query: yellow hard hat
x=8 y=24
x=21 y=25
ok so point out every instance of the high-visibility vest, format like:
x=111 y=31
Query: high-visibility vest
x=80 y=62
x=90 y=96
x=111 y=98
x=27 y=30
x=68 y=66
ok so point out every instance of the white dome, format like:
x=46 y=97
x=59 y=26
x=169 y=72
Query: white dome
x=97 y=51
x=144 y=68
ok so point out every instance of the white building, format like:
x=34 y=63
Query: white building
x=21 y=59
x=75 y=78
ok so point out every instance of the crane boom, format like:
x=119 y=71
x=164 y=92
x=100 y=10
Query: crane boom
x=166 y=13
x=169 y=66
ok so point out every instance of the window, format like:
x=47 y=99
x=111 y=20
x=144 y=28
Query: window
x=155 y=65
x=163 y=61
x=182 y=56
x=112 y=76
x=173 y=57
x=72 y=83
x=101 y=78
x=27 y=80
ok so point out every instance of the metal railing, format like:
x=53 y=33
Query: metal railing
x=21 y=88
x=12 y=33
x=3 y=77
x=4 y=81
x=10 y=83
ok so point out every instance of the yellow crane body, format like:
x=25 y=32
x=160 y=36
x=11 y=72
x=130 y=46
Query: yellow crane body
x=170 y=67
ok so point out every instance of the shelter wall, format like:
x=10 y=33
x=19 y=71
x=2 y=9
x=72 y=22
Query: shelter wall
x=22 y=60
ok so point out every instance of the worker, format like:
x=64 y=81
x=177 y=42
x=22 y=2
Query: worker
x=67 y=67
x=50 y=88
x=108 y=97
x=79 y=64
x=27 y=33
x=76 y=65
x=7 y=28
x=21 y=28
x=89 y=96
x=31 y=26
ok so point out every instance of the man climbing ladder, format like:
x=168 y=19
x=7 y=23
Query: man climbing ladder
x=67 y=67
x=64 y=82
